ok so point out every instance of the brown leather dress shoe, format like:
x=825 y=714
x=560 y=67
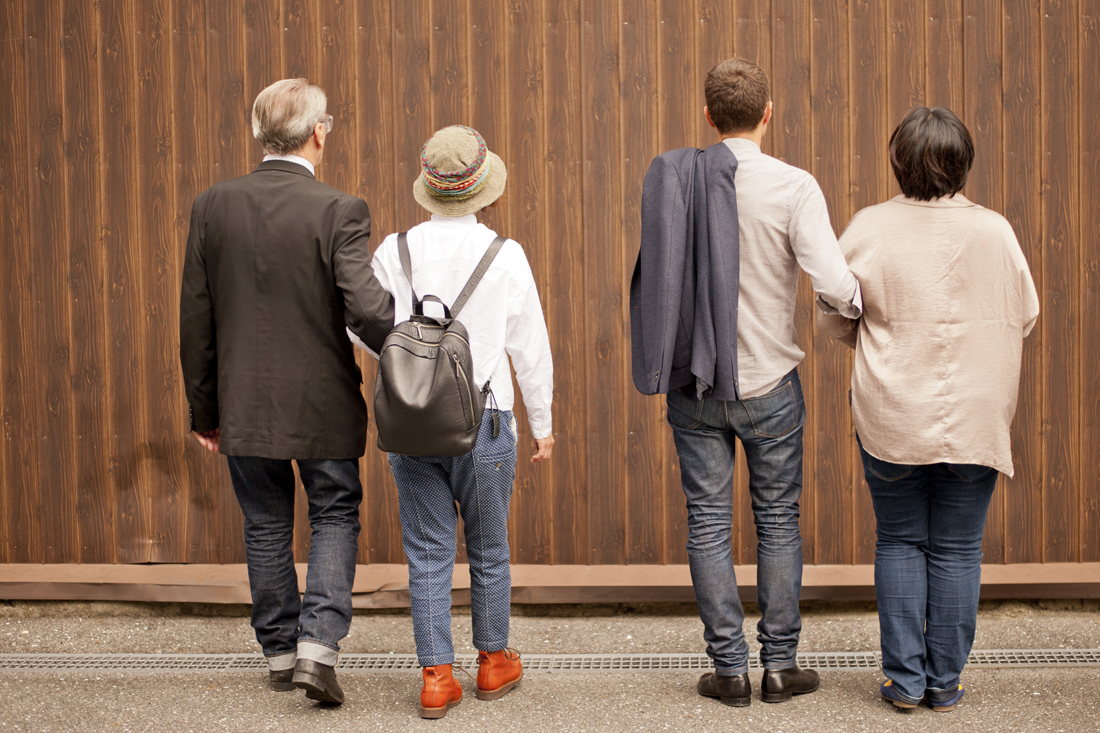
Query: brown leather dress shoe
x=281 y=680
x=319 y=681
x=441 y=691
x=779 y=685
x=497 y=673
x=733 y=691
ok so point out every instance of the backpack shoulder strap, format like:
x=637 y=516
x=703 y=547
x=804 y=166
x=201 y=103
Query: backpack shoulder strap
x=406 y=263
x=479 y=272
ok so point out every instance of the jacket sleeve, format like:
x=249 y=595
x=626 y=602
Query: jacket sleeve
x=368 y=308
x=198 y=339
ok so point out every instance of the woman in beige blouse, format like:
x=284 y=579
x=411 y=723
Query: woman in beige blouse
x=947 y=301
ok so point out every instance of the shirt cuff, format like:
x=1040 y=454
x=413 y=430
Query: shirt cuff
x=540 y=431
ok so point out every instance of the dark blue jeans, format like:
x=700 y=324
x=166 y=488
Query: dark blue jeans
x=311 y=626
x=928 y=568
x=770 y=429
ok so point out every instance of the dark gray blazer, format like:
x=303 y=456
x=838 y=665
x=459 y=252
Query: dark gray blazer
x=683 y=293
x=276 y=265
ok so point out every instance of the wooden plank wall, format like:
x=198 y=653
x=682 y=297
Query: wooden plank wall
x=114 y=114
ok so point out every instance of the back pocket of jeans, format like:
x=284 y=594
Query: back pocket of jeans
x=884 y=469
x=969 y=472
x=777 y=413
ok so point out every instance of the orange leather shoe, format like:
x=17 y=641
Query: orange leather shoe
x=441 y=691
x=497 y=673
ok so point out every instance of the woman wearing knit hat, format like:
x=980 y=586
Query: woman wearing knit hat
x=460 y=177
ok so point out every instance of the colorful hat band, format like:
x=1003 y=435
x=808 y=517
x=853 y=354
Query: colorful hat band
x=457 y=185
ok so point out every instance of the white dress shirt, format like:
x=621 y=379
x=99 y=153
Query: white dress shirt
x=293 y=159
x=783 y=224
x=503 y=316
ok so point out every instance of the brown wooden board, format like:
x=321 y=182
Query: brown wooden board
x=1061 y=219
x=53 y=501
x=19 y=372
x=153 y=464
x=869 y=170
x=531 y=528
x=982 y=112
x=1089 y=176
x=488 y=105
x=563 y=301
x=300 y=39
x=905 y=69
x=943 y=54
x=1023 y=494
x=124 y=291
x=605 y=346
x=645 y=469
x=263 y=37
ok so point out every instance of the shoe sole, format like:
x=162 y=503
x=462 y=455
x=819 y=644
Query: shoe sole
x=943 y=708
x=315 y=688
x=436 y=713
x=498 y=692
x=733 y=702
x=785 y=696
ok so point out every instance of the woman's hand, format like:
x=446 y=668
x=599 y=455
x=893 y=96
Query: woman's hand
x=545 y=448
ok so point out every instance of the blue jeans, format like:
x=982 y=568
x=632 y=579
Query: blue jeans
x=428 y=489
x=286 y=624
x=928 y=568
x=770 y=429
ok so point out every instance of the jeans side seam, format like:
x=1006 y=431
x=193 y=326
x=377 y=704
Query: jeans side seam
x=428 y=551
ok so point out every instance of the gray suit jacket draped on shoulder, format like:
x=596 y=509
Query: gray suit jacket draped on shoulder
x=683 y=294
x=276 y=265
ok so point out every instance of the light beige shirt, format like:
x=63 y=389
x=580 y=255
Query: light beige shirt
x=947 y=301
x=783 y=224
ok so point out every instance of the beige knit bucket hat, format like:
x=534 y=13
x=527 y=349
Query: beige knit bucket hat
x=459 y=175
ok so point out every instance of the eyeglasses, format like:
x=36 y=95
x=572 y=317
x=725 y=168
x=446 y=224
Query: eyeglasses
x=327 y=122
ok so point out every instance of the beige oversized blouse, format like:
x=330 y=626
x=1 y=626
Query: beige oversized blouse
x=947 y=301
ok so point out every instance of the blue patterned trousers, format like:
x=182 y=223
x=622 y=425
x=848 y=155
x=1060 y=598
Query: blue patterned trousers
x=431 y=491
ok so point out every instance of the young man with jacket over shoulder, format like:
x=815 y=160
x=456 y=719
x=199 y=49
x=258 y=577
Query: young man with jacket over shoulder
x=722 y=346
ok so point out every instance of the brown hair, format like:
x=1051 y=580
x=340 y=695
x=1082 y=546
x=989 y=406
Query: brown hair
x=737 y=93
x=931 y=152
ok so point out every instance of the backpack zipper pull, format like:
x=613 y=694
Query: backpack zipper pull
x=419 y=333
x=496 y=424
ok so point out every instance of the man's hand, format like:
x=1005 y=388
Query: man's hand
x=211 y=439
x=545 y=448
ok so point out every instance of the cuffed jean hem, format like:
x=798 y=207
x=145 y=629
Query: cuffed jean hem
x=779 y=666
x=731 y=671
x=279 y=662
x=317 y=651
x=905 y=698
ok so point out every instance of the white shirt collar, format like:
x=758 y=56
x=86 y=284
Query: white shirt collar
x=741 y=145
x=465 y=220
x=293 y=159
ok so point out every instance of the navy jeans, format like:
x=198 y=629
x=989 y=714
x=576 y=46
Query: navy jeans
x=770 y=429
x=311 y=626
x=428 y=489
x=928 y=568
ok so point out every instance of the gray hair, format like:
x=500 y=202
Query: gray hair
x=285 y=113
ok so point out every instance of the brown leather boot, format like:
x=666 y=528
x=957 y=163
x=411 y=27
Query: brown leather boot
x=441 y=691
x=497 y=673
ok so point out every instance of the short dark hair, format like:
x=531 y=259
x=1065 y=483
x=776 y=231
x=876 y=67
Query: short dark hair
x=737 y=93
x=931 y=152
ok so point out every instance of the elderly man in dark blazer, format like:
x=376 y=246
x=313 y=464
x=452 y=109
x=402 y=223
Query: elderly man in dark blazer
x=276 y=266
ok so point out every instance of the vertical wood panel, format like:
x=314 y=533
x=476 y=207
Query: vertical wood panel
x=905 y=52
x=525 y=199
x=375 y=125
x=713 y=43
x=645 y=471
x=679 y=90
x=564 y=300
x=412 y=116
x=299 y=47
x=603 y=296
x=1023 y=494
x=1061 y=399
x=944 y=72
x=1089 y=177
x=488 y=100
x=263 y=63
x=155 y=466
x=19 y=373
x=868 y=169
x=448 y=62
x=982 y=104
x=832 y=421
x=126 y=428
x=790 y=132
x=52 y=502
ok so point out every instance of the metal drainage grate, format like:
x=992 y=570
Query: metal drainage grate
x=531 y=662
